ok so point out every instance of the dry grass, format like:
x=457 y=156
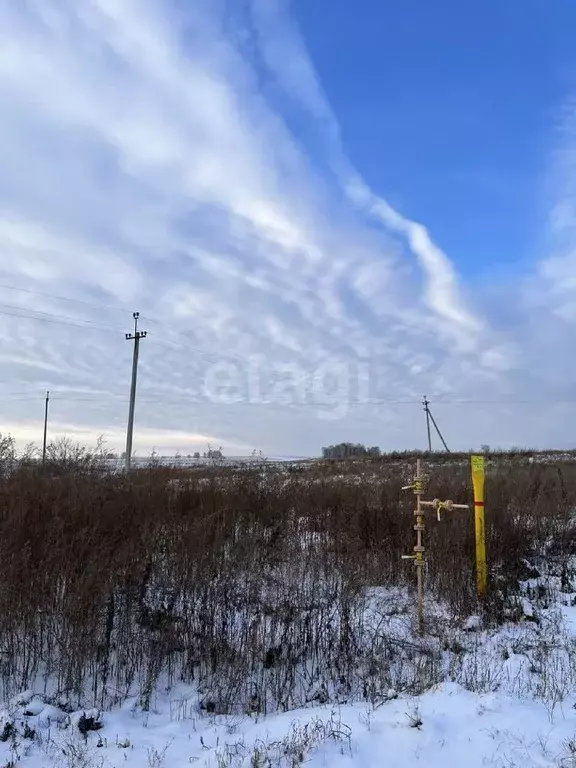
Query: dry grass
x=249 y=583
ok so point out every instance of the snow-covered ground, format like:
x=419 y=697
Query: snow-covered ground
x=189 y=462
x=508 y=699
x=444 y=728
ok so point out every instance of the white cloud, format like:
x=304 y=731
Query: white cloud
x=164 y=441
x=144 y=168
x=286 y=55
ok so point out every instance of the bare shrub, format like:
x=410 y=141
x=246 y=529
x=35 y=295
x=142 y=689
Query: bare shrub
x=252 y=583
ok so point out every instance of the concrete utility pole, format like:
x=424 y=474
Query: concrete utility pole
x=430 y=418
x=45 y=427
x=426 y=403
x=136 y=336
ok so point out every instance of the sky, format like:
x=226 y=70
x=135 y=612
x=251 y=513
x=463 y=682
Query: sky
x=322 y=212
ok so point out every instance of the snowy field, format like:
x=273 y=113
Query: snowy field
x=189 y=462
x=265 y=619
x=507 y=698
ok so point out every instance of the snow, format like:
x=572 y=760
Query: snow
x=458 y=728
x=447 y=726
x=507 y=699
x=472 y=623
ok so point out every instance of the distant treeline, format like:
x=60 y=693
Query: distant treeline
x=344 y=451
x=349 y=450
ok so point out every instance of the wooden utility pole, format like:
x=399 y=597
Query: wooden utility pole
x=45 y=427
x=136 y=336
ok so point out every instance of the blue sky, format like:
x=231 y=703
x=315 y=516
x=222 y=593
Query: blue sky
x=321 y=210
x=449 y=110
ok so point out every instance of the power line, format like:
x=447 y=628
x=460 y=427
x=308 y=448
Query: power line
x=79 y=322
x=75 y=395
x=118 y=309
x=167 y=342
x=151 y=395
x=108 y=308
x=56 y=319
x=48 y=317
x=213 y=358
